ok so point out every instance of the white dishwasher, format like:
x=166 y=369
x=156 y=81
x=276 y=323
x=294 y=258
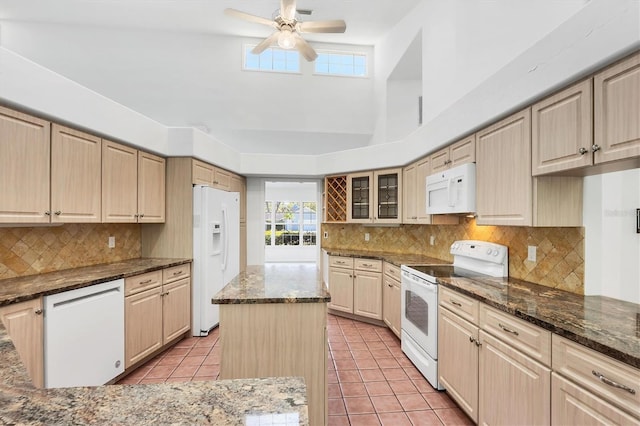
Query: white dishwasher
x=84 y=335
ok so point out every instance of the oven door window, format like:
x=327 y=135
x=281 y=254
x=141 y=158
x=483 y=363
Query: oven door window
x=417 y=311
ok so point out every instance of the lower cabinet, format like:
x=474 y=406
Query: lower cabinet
x=356 y=286
x=157 y=311
x=24 y=323
x=391 y=309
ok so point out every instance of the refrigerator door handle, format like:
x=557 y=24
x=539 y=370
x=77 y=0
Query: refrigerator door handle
x=225 y=239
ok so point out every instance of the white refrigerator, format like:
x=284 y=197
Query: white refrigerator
x=216 y=251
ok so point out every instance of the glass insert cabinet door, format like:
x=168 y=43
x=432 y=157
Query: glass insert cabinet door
x=360 y=197
x=375 y=196
x=387 y=192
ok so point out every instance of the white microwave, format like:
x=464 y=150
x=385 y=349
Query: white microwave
x=452 y=190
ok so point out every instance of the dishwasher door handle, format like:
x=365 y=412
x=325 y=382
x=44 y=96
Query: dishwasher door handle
x=85 y=297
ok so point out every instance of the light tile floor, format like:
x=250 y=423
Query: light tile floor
x=371 y=381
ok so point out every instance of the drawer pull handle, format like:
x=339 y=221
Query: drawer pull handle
x=340 y=262
x=177 y=273
x=145 y=282
x=610 y=382
x=367 y=265
x=453 y=302
x=508 y=330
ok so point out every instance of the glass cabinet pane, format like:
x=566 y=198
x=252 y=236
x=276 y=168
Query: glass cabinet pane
x=360 y=197
x=388 y=196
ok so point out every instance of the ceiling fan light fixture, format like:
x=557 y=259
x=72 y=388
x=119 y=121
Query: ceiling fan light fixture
x=286 y=39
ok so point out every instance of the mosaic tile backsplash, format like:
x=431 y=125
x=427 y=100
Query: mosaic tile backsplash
x=34 y=250
x=560 y=251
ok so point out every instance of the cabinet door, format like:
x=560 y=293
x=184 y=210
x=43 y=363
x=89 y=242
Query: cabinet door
x=387 y=196
x=238 y=184
x=561 y=133
x=514 y=389
x=571 y=404
x=360 y=197
x=202 y=173
x=410 y=193
x=176 y=309
x=367 y=294
x=463 y=152
x=75 y=176
x=24 y=168
x=119 y=183
x=391 y=304
x=440 y=161
x=243 y=246
x=221 y=179
x=341 y=289
x=458 y=361
x=151 y=188
x=617 y=108
x=503 y=173
x=25 y=325
x=142 y=325
x=423 y=169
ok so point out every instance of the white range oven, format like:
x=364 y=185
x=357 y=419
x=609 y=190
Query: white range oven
x=419 y=298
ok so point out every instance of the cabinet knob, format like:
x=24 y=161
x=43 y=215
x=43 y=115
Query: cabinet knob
x=583 y=151
x=47 y=213
x=141 y=214
x=58 y=213
x=38 y=311
x=595 y=147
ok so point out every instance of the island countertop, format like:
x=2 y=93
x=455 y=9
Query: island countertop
x=606 y=325
x=223 y=402
x=285 y=283
x=29 y=287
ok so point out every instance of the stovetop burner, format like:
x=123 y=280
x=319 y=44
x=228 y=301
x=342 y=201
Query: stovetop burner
x=438 y=271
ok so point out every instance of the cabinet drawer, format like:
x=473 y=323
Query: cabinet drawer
x=368 y=265
x=175 y=273
x=138 y=283
x=341 y=262
x=526 y=337
x=463 y=306
x=392 y=270
x=612 y=380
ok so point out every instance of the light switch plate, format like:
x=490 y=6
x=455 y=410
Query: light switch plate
x=531 y=253
x=366 y=236
x=112 y=242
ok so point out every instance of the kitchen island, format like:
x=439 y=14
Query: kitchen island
x=273 y=323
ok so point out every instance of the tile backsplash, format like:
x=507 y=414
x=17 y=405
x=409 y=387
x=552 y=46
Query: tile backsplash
x=34 y=250
x=560 y=251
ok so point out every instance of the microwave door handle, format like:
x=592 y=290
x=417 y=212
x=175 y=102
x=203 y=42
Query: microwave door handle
x=451 y=193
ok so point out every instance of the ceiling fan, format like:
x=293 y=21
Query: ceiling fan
x=288 y=29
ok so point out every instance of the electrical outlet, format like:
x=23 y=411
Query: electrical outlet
x=432 y=240
x=112 y=242
x=326 y=234
x=366 y=236
x=531 y=253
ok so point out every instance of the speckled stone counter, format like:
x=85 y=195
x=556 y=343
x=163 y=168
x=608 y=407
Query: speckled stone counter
x=397 y=259
x=18 y=289
x=224 y=402
x=606 y=325
x=283 y=283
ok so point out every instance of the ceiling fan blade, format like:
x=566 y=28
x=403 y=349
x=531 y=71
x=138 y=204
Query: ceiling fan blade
x=248 y=17
x=288 y=9
x=272 y=39
x=335 y=26
x=305 y=49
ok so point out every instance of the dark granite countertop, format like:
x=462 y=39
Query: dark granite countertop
x=606 y=325
x=19 y=289
x=223 y=402
x=397 y=259
x=293 y=283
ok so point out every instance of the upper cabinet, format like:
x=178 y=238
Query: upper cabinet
x=616 y=111
x=208 y=174
x=562 y=130
x=461 y=152
x=75 y=176
x=374 y=197
x=335 y=198
x=24 y=168
x=133 y=185
x=239 y=184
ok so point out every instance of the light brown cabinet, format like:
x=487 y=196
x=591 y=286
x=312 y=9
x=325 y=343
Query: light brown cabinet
x=24 y=323
x=210 y=175
x=561 y=131
x=356 y=286
x=157 y=311
x=375 y=197
x=335 y=198
x=133 y=185
x=391 y=297
x=239 y=184
x=24 y=168
x=616 y=111
x=461 y=152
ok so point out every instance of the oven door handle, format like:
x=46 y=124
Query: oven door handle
x=412 y=285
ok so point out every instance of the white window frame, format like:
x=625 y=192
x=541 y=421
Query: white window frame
x=247 y=48
x=343 y=52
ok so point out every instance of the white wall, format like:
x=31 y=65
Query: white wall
x=612 y=246
x=402 y=108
